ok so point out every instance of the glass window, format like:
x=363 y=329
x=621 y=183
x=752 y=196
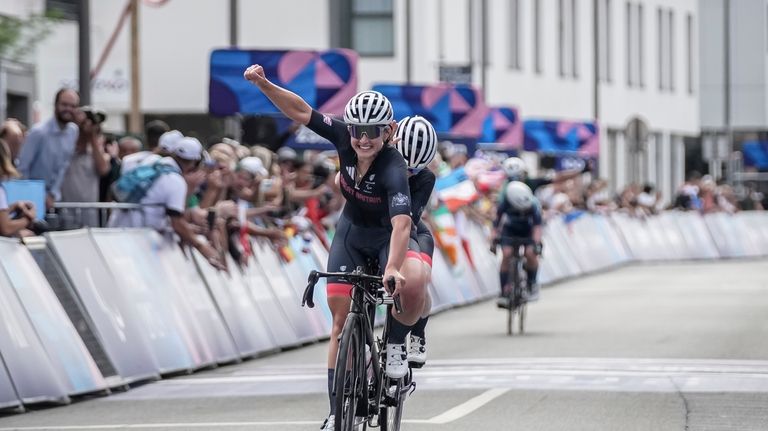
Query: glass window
x=372 y=36
x=537 y=36
x=371 y=27
x=514 y=35
x=67 y=9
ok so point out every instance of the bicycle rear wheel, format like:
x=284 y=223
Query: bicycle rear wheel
x=349 y=375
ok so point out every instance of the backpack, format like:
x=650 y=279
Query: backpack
x=132 y=186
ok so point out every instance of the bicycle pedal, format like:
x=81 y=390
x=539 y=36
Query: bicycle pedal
x=416 y=365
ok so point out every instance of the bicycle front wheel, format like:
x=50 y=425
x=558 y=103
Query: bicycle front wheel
x=391 y=412
x=349 y=375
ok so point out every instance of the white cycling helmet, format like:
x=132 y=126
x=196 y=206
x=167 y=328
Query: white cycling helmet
x=418 y=141
x=514 y=167
x=368 y=108
x=519 y=195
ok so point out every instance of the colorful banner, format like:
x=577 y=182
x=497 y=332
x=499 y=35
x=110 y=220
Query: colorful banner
x=453 y=109
x=324 y=79
x=582 y=138
x=502 y=125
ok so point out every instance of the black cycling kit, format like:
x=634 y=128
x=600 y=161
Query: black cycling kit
x=365 y=226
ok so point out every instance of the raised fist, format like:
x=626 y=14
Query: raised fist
x=255 y=74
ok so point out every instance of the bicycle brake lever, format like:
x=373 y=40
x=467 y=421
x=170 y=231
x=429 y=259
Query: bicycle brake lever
x=396 y=299
x=309 y=292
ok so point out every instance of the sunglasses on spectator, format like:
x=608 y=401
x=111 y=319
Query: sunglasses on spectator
x=372 y=131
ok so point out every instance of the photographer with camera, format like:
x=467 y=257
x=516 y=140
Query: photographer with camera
x=89 y=161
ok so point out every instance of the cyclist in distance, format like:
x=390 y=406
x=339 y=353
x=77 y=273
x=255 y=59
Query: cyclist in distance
x=518 y=217
x=376 y=220
x=418 y=145
x=516 y=170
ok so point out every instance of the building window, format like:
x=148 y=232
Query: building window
x=671 y=49
x=66 y=9
x=689 y=54
x=561 y=36
x=661 y=58
x=371 y=31
x=567 y=38
x=640 y=46
x=629 y=20
x=574 y=39
x=604 y=40
x=537 y=36
x=515 y=35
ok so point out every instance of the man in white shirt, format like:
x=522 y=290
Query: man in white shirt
x=164 y=203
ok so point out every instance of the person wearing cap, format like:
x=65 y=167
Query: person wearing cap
x=166 y=144
x=164 y=204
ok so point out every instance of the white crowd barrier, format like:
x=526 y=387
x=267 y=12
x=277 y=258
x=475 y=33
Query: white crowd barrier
x=154 y=308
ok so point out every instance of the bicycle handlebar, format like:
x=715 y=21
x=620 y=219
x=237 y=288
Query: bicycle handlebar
x=354 y=277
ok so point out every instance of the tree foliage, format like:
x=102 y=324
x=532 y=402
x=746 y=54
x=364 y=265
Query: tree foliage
x=19 y=36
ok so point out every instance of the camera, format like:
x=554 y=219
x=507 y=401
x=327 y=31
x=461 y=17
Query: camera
x=97 y=116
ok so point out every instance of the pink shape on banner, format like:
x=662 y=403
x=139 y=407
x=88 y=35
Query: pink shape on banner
x=592 y=147
x=458 y=103
x=512 y=137
x=325 y=77
x=432 y=94
x=500 y=121
x=335 y=105
x=583 y=132
x=564 y=127
x=293 y=63
x=472 y=123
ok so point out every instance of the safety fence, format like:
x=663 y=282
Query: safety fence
x=92 y=310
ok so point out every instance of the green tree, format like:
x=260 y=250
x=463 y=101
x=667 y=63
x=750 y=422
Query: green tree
x=19 y=36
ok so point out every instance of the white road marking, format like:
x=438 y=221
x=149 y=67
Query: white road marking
x=205 y=425
x=465 y=408
x=448 y=416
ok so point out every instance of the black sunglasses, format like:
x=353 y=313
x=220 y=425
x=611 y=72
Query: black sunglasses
x=372 y=131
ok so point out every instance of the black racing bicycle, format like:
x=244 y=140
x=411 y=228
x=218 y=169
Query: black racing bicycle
x=515 y=290
x=365 y=396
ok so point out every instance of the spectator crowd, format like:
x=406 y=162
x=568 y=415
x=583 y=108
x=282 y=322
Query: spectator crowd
x=214 y=197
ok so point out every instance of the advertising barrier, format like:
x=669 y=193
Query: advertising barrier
x=299 y=317
x=116 y=322
x=167 y=322
x=68 y=355
x=236 y=307
x=34 y=377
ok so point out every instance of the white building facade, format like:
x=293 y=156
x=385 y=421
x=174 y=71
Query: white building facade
x=538 y=55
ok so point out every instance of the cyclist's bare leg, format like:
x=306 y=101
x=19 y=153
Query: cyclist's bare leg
x=506 y=259
x=531 y=264
x=414 y=293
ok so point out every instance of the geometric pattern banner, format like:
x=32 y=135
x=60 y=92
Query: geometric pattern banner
x=502 y=125
x=582 y=138
x=326 y=80
x=456 y=110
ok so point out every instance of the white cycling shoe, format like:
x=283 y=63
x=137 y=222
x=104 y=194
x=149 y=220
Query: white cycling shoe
x=329 y=424
x=397 y=361
x=417 y=351
x=533 y=292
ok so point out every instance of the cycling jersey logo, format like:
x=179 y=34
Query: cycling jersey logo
x=400 y=200
x=343 y=268
x=371 y=177
x=327 y=120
